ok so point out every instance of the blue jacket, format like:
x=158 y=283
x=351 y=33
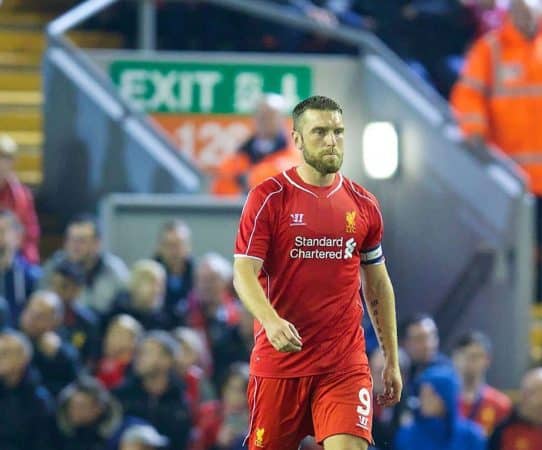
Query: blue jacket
x=448 y=433
x=16 y=285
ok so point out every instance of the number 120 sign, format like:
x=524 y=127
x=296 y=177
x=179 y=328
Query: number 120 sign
x=206 y=107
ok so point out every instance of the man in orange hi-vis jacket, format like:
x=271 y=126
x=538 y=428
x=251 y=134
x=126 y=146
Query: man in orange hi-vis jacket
x=267 y=152
x=498 y=98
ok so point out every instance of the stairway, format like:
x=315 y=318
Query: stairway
x=536 y=334
x=22 y=42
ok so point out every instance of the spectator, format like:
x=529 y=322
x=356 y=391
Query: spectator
x=185 y=25
x=438 y=424
x=430 y=35
x=479 y=402
x=194 y=351
x=523 y=429
x=215 y=313
x=173 y=252
x=155 y=393
x=17 y=198
x=144 y=299
x=89 y=418
x=330 y=12
x=233 y=425
x=142 y=437
x=81 y=326
x=201 y=395
x=420 y=341
x=120 y=343
x=487 y=15
x=268 y=152
x=5 y=314
x=56 y=360
x=192 y=365
x=105 y=274
x=26 y=407
x=19 y=278
x=386 y=420
x=498 y=100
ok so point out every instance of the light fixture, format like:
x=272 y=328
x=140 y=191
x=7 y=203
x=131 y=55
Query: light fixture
x=380 y=150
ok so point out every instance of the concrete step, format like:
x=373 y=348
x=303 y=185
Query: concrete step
x=26 y=20
x=28 y=140
x=32 y=178
x=20 y=120
x=20 y=99
x=28 y=161
x=56 y=6
x=35 y=41
x=20 y=60
x=20 y=80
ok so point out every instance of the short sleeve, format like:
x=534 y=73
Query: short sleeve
x=254 y=233
x=371 y=250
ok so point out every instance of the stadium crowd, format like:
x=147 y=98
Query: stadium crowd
x=96 y=356
x=404 y=25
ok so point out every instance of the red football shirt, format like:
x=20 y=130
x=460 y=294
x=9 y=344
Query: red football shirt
x=516 y=434
x=488 y=410
x=312 y=241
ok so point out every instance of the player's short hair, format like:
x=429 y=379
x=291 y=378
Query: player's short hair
x=318 y=102
x=473 y=337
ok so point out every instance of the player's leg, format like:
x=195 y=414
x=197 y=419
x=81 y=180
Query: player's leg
x=280 y=414
x=342 y=409
x=345 y=442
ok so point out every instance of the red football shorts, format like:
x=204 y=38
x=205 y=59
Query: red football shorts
x=285 y=410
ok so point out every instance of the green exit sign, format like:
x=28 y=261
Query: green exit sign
x=207 y=88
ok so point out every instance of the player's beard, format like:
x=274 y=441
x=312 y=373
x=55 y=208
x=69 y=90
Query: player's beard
x=323 y=165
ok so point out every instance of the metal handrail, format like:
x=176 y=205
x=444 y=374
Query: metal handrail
x=76 y=16
x=180 y=167
x=369 y=43
x=361 y=39
x=365 y=41
x=283 y=15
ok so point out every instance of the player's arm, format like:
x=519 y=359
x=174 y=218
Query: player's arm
x=280 y=333
x=380 y=300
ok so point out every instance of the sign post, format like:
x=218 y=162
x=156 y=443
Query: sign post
x=206 y=107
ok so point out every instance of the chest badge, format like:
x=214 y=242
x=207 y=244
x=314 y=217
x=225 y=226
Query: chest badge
x=351 y=221
x=297 y=219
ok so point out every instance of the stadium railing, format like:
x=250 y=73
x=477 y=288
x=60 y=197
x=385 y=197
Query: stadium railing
x=459 y=219
x=95 y=142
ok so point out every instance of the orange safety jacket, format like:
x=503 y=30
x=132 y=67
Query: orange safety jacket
x=226 y=181
x=499 y=96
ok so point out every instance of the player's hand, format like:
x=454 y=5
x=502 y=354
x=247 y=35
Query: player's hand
x=393 y=385
x=283 y=335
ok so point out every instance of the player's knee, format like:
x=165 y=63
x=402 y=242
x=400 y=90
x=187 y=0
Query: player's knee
x=345 y=442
